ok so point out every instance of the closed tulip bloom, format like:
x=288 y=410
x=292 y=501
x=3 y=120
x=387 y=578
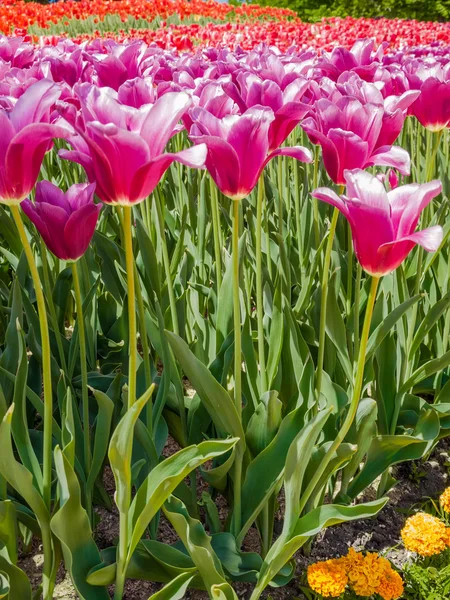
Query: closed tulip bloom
x=26 y=135
x=66 y=221
x=432 y=107
x=238 y=147
x=383 y=223
x=122 y=148
x=352 y=136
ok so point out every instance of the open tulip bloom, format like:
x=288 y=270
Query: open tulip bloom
x=66 y=221
x=26 y=135
x=383 y=223
x=122 y=148
x=352 y=136
x=239 y=147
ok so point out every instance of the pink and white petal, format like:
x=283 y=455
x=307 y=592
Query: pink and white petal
x=162 y=119
x=408 y=201
x=367 y=189
x=391 y=156
x=394 y=253
x=35 y=104
x=298 y=152
x=351 y=150
x=330 y=197
x=79 y=230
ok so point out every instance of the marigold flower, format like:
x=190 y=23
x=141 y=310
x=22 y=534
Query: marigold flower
x=445 y=500
x=391 y=584
x=366 y=573
x=424 y=534
x=328 y=578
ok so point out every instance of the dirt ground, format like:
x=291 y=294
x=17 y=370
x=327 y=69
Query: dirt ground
x=417 y=482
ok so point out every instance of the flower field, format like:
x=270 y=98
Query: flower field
x=224 y=303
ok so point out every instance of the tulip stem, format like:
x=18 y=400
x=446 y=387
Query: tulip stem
x=166 y=261
x=315 y=200
x=216 y=233
x=48 y=396
x=280 y=196
x=323 y=301
x=84 y=373
x=237 y=363
x=259 y=288
x=357 y=388
x=132 y=328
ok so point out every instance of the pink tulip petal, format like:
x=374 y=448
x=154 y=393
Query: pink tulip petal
x=392 y=254
x=408 y=201
x=368 y=189
x=162 y=118
x=391 y=156
x=33 y=105
x=298 y=152
x=79 y=229
x=148 y=176
x=51 y=194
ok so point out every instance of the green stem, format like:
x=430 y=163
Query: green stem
x=323 y=301
x=237 y=363
x=259 y=288
x=145 y=347
x=121 y=557
x=280 y=196
x=132 y=327
x=216 y=233
x=356 y=311
x=166 y=261
x=84 y=372
x=51 y=307
x=357 y=388
x=48 y=396
x=315 y=201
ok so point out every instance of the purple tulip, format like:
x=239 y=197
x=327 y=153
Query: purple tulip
x=66 y=221
x=121 y=148
x=26 y=135
x=238 y=147
x=352 y=136
x=383 y=223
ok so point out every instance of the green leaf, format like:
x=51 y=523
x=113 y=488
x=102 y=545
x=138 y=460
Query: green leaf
x=223 y=591
x=71 y=526
x=196 y=542
x=431 y=317
x=335 y=328
x=264 y=422
x=164 y=478
x=276 y=338
x=174 y=590
x=102 y=432
x=429 y=368
x=297 y=461
x=121 y=448
x=19 y=478
x=15 y=582
x=216 y=399
x=8 y=528
x=387 y=324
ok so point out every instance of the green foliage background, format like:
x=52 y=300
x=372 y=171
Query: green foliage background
x=314 y=10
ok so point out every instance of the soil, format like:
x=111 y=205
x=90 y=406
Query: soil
x=417 y=482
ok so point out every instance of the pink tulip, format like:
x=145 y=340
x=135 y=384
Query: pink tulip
x=66 y=221
x=238 y=147
x=383 y=223
x=122 y=148
x=286 y=103
x=352 y=135
x=432 y=107
x=26 y=135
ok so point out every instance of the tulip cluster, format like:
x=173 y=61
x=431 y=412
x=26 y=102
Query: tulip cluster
x=145 y=132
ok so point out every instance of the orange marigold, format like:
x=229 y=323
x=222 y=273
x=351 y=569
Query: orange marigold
x=424 y=534
x=365 y=573
x=391 y=584
x=445 y=500
x=328 y=578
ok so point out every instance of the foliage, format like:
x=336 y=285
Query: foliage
x=428 y=579
x=422 y=10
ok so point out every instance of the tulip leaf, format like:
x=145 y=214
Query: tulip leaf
x=14 y=583
x=174 y=590
x=431 y=317
x=429 y=368
x=102 y=433
x=8 y=528
x=164 y=478
x=71 y=526
x=18 y=476
x=335 y=329
x=387 y=324
x=196 y=542
x=215 y=398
